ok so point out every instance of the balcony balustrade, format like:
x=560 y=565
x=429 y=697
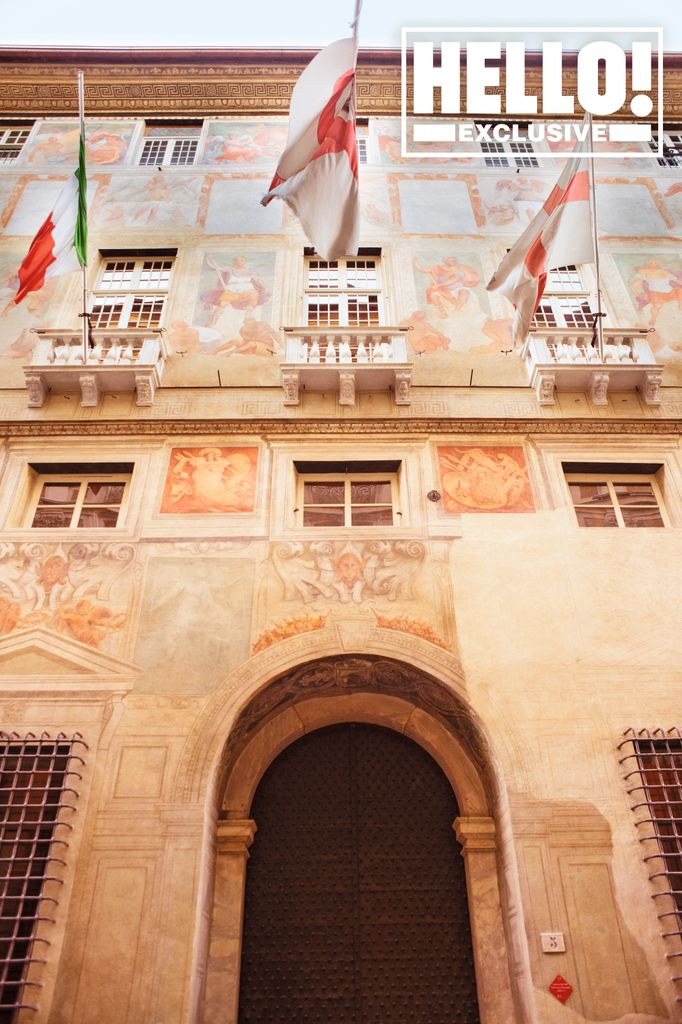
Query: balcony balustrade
x=119 y=362
x=346 y=360
x=565 y=359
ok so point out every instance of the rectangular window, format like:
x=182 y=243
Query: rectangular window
x=172 y=145
x=654 y=777
x=672 y=147
x=615 y=499
x=565 y=302
x=341 y=496
x=65 y=497
x=38 y=778
x=362 y=136
x=508 y=153
x=12 y=140
x=344 y=292
x=131 y=292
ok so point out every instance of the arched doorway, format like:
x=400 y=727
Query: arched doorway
x=356 y=901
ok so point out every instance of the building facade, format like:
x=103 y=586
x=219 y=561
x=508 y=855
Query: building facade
x=281 y=498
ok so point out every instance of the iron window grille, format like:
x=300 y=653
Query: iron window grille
x=131 y=293
x=653 y=763
x=38 y=776
x=12 y=141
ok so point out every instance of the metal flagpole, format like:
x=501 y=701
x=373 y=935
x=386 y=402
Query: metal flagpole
x=595 y=237
x=84 y=269
x=355 y=23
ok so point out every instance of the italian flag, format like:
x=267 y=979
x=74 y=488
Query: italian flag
x=61 y=244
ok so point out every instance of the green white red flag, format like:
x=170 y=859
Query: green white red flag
x=61 y=244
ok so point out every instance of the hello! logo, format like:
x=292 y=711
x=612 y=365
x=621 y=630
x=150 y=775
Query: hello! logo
x=480 y=89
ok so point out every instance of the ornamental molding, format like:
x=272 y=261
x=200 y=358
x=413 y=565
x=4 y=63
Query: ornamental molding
x=193 y=83
x=376 y=428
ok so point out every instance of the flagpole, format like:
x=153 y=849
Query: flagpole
x=84 y=268
x=593 y=212
x=355 y=24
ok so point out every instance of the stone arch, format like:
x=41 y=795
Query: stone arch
x=258 y=712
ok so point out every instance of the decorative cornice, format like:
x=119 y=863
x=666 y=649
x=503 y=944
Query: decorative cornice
x=214 y=82
x=376 y=427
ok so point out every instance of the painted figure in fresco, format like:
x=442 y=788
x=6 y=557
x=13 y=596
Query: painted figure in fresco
x=516 y=199
x=89 y=622
x=239 y=287
x=256 y=338
x=450 y=284
x=245 y=147
x=17 y=320
x=104 y=147
x=481 y=480
x=424 y=339
x=654 y=285
x=210 y=480
x=156 y=199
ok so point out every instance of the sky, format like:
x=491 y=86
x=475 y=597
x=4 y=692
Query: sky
x=302 y=22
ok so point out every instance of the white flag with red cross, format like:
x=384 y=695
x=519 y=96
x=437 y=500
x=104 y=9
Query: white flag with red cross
x=317 y=175
x=559 y=235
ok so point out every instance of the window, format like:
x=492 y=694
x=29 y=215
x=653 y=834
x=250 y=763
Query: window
x=36 y=774
x=508 y=153
x=362 y=137
x=131 y=293
x=672 y=147
x=74 y=497
x=344 y=292
x=565 y=301
x=348 y=494
x=171 y=145
x=12 y=141
x=654 y=777
x=615 y=498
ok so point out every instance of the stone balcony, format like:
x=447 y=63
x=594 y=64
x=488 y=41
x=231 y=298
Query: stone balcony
x=560 y=359
x=120 y=362
x=346 y=360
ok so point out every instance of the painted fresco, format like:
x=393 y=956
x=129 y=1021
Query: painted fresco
x=233 y=308
x=375 y=206
x=210 y=480
x=80 y=590
x=150 y=201
x=510 y=202
x=243 y=144
x=454 y=311
x=106 y=143
x=195 y=623
x=314 y=584
x=629 y=209
x=487 y=479
x=437 y=207
x=386 y=135
x=17 y=321
x=234 y=207
x=654 y=281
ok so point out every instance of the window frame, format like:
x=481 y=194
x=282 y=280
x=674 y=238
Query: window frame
x=133 y=290
x=6 y=146
x=342 y=292
x=672 y=140
x=392 y=477
x=554 y=296
x=511 y=153
x=610 y=479
x=176 y=133
x=84 y=479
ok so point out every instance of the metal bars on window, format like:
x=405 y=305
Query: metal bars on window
x=653 y=772
x=39 y=776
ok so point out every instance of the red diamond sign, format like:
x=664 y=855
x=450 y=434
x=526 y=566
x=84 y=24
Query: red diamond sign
x=560 y=989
